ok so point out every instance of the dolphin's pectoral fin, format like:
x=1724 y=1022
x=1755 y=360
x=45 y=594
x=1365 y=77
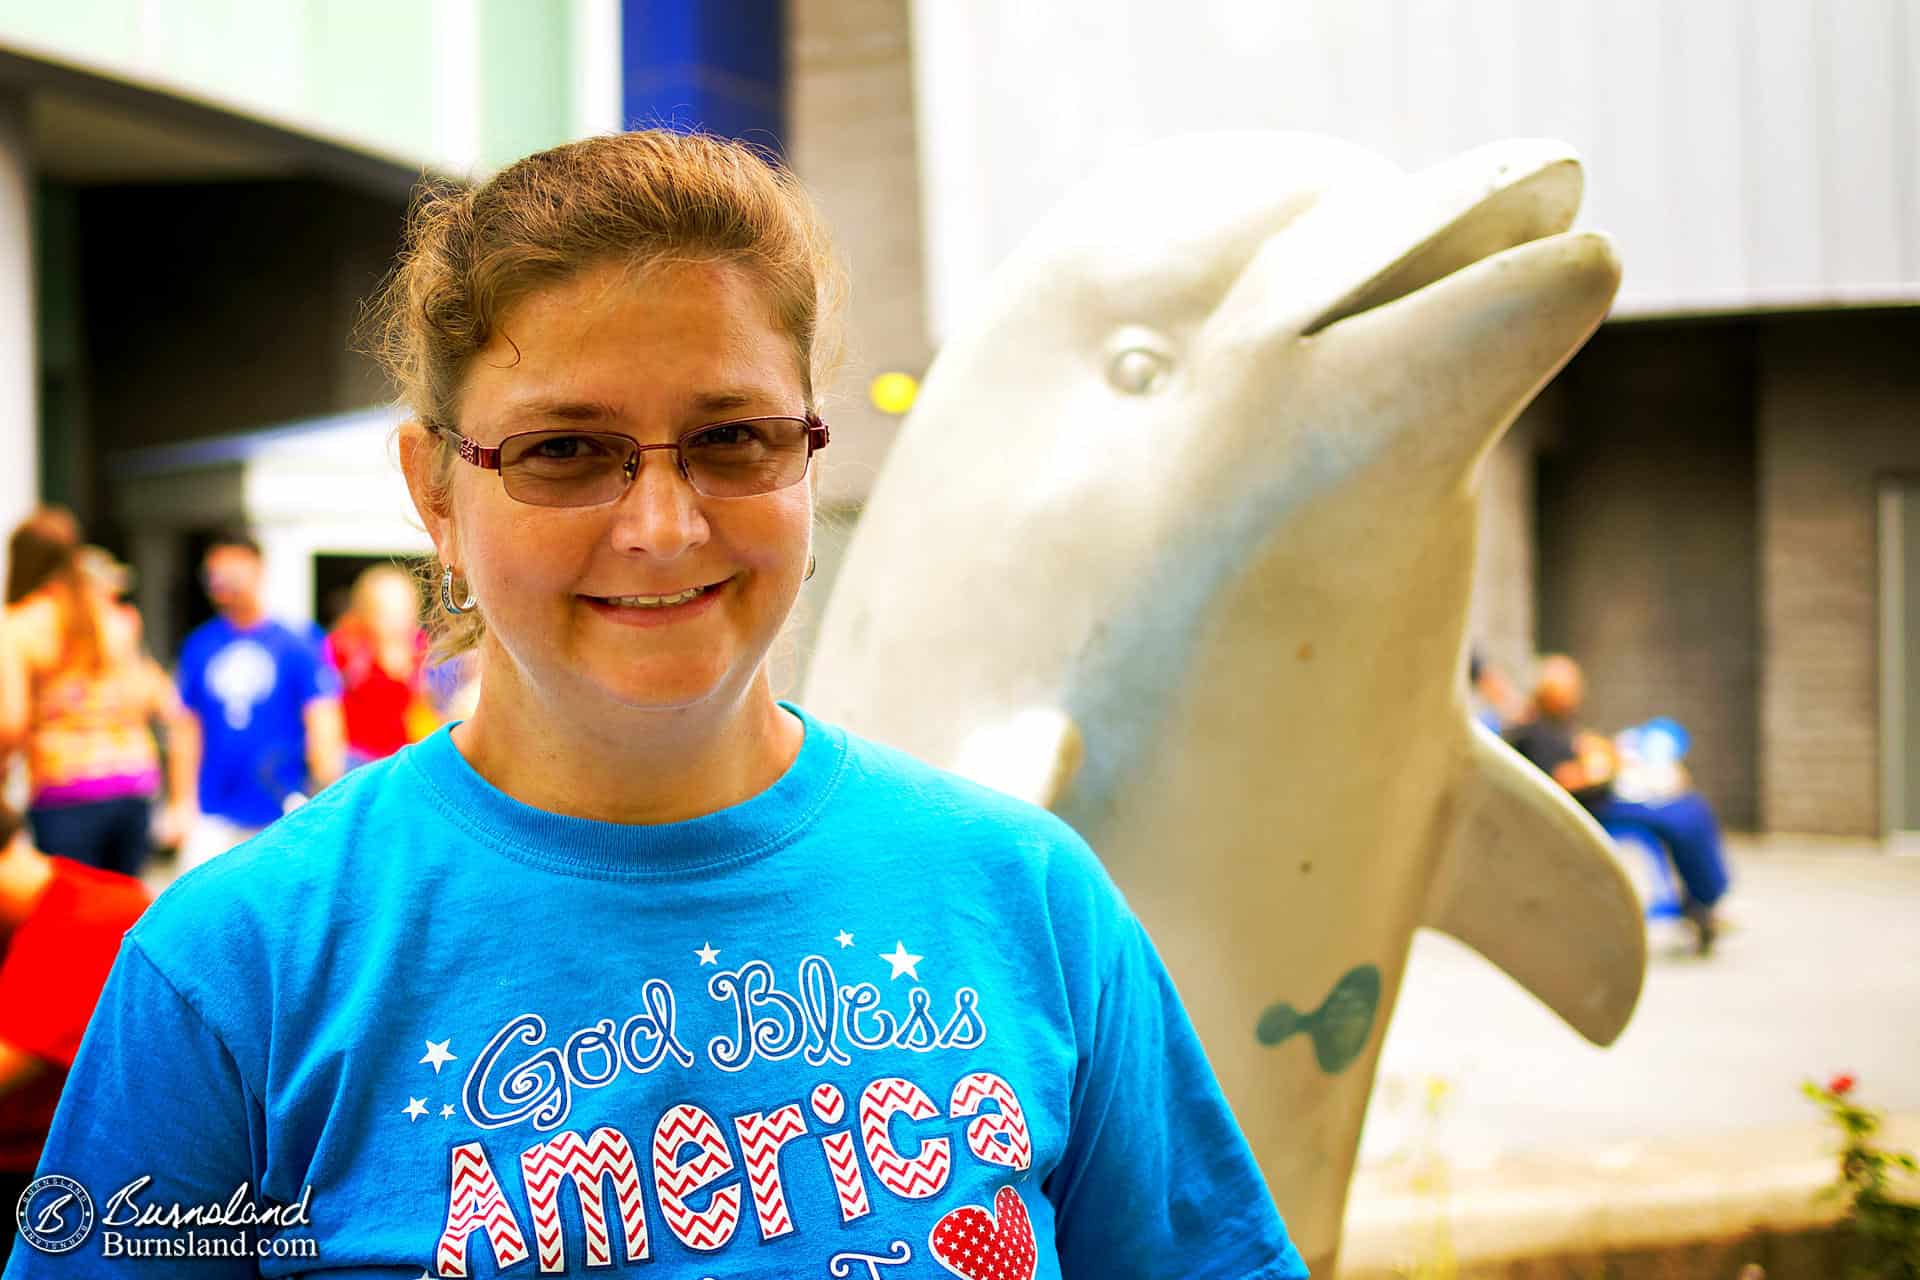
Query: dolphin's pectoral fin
x=1032 y=755
x=1528 y=881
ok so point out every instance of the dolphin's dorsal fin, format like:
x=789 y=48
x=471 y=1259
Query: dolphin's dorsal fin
x=1528 y=880
x=1032 y=754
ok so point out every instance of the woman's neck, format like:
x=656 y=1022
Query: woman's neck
x=626 y=766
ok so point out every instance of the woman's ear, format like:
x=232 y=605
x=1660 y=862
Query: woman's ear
x=419 y=457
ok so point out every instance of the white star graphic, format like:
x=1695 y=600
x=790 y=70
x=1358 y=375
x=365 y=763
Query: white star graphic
x=707 y=955
x=437 y=1054
x=903 y=961
x=446 y=1113
x=844 y=938
x=416 y=1107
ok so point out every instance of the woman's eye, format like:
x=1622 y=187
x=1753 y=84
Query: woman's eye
x=731 y=434
x=562 y=448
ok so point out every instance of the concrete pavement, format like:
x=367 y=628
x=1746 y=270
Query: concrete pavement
x=1497 y=1134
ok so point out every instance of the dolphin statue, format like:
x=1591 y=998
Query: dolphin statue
x=1178 y=541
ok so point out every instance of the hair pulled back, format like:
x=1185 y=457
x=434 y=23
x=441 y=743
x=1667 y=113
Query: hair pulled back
x=39 y=550
x=44 y=555
x=641 y=199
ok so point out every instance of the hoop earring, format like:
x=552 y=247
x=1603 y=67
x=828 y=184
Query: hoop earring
x=446 y=596
x=810 y=568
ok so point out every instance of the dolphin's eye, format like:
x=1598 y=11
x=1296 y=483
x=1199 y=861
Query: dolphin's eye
x=1138 y=371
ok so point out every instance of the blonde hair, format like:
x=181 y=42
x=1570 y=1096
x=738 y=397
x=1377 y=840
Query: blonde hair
x=638 y=198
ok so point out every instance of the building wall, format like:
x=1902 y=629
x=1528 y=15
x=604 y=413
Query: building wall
x=850 y=113
x=1839 y=408
x=461 y=86
x=1744 y=154
x=1501 y=618
x=221 y=307
x=1647 y=558
x=851 y=116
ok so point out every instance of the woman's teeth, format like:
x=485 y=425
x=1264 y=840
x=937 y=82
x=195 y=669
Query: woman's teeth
x=654 y=602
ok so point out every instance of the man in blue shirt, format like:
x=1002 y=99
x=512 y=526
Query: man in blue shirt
x=268 y=705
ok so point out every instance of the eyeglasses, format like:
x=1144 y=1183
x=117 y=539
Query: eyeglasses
x=737 y=459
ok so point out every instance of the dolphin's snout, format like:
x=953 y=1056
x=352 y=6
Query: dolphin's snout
x=1473 y=207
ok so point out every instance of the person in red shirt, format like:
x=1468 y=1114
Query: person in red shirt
x=379 y=649
x=60 y=928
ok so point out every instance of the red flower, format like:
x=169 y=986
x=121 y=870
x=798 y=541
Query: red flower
x=1841 y=1085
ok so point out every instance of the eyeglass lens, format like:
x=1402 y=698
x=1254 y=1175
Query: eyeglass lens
x=585 y=468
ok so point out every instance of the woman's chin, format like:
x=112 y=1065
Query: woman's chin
x=661 y=687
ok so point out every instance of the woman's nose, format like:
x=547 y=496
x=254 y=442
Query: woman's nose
x=660 y=513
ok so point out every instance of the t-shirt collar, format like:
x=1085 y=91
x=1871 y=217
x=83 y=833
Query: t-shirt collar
x=612 y=850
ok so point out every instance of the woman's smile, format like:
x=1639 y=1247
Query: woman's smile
x=657 y=611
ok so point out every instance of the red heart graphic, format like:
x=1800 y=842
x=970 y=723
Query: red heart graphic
x=978 y=1245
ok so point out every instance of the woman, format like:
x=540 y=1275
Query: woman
x=79 y=695
x=753 y=987
x=379 y=649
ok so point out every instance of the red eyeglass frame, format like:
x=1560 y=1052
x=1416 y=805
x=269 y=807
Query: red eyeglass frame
x=488 y=458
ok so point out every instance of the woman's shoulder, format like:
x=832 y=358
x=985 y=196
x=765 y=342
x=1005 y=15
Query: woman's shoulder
x=886 y=780
x=33 y=623
x=880 y=765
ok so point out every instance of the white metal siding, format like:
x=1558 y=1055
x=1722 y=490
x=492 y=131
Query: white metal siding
x=1745 y=153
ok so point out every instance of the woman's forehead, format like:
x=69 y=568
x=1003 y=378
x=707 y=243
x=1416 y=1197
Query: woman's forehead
x=681 y=338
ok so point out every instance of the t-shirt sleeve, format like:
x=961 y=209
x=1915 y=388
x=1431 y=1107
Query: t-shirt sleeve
x=314 y=675
x=192 y=676
x=1156 y=1179
x=153 y=1094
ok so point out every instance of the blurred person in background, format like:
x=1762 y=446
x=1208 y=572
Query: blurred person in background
x=60 y=928
x=267 y=703
x=35 y=547
x=1586 y=763
x=80 y=697
x=380 y=649
x=1492 y=697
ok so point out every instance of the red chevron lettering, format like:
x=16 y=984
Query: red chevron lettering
x=848 y=1183
x=588 y=1162
x=692 y=1161
x=761 y=1137
x=476 y=1203
x=912 y=1178
x=1001 y=1139
x=674 y=1181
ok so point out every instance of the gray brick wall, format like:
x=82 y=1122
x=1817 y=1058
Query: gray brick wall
x=1647 y=557
x=1500 y=619
x=1839 y=409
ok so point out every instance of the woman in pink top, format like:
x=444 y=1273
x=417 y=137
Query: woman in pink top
x=79 y=696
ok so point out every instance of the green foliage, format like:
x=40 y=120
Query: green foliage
x=1886 y=1228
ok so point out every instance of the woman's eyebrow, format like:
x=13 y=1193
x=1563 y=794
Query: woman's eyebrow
x=726 y=401
x=548 y=410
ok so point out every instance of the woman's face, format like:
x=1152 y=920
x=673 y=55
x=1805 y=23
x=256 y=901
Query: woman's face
x=651 y=355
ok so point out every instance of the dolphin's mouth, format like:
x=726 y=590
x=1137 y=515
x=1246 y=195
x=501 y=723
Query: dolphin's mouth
x=1524 y=198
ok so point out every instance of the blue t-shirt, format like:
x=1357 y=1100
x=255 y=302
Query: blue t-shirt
x=250 y=690
x=875 y=1021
